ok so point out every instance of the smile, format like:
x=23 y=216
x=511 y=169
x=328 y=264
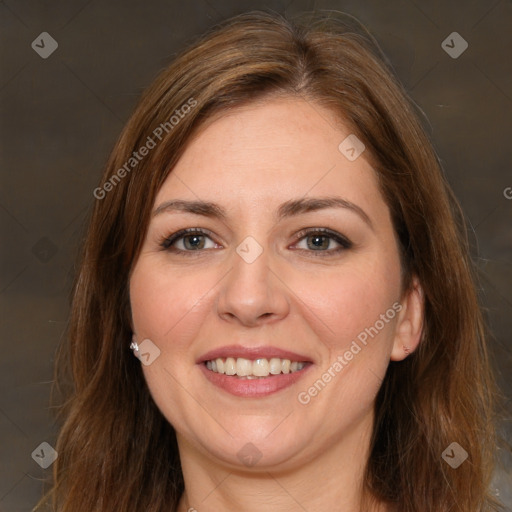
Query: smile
x=253 y=369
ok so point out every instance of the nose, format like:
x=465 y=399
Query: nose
x=252 y=293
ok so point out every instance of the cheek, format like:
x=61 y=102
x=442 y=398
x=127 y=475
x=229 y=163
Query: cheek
x=163 y=303
x=357 y=306
x=354 y=299
x=166 y=308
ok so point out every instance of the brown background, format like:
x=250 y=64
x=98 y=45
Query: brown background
x=60 y=117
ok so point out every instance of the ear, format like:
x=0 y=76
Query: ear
x=409 y=326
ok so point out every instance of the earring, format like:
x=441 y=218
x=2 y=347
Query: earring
x=407 y=350
x=134 y=347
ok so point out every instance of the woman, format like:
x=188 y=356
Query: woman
x=275 y=242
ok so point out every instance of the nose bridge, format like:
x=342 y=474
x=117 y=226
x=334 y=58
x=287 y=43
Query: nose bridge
x=251 y=291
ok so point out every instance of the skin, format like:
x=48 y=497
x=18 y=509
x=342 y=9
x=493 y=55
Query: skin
x=293 y=296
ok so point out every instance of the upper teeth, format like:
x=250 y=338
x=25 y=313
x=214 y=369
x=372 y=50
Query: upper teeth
x=258 y=368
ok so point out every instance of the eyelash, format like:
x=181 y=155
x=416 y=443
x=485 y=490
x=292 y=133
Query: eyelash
x=345 y=243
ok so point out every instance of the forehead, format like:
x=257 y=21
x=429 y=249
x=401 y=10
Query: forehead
x=267 y=152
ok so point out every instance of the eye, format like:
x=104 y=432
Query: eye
x=187 y=240
x=319 y=240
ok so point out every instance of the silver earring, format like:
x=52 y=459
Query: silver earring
x=134 y=347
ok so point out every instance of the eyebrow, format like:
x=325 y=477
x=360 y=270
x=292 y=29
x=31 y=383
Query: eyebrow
x=288 y=209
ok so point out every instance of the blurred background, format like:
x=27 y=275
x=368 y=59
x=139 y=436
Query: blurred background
x=71 y=73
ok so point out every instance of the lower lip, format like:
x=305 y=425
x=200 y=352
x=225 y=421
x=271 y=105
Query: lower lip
x=253 y=388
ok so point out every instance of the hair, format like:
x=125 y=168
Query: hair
x=116 y=450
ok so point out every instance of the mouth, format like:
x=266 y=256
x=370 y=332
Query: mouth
x=253 y=372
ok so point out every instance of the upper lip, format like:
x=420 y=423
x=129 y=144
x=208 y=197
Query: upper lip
x=261 y=352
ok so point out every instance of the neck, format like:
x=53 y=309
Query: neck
x=331 y=480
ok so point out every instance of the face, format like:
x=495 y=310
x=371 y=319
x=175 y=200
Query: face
x=261 y=282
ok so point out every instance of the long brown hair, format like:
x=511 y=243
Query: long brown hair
x=116 y=450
